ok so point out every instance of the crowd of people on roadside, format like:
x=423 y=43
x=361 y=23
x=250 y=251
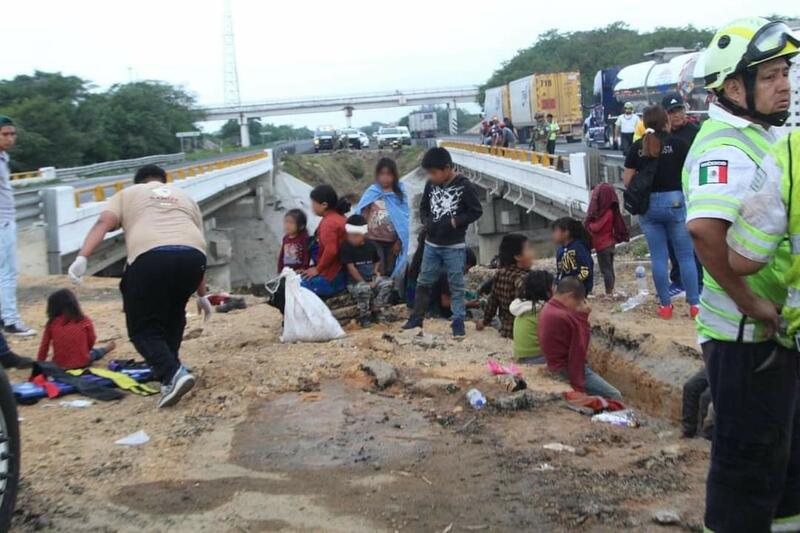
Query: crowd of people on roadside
x=502 y=133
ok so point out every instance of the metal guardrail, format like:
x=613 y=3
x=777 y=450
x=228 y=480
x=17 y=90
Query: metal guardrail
x=558 y=162
x=98 y=193
x=28 y=207
x=106 y=166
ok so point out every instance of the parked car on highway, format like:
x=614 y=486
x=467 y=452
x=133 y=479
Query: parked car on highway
x=405 y=135
x=389 y=135
x=350 y=138
x=364 y=139
x=325 y=139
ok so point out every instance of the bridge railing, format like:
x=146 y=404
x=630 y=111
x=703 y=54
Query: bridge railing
x=98 y=168
x=212 y=185
x=99 y=193
x=558 y=162
x=551 y=185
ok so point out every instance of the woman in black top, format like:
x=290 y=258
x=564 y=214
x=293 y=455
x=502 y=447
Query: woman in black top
x=665 y=219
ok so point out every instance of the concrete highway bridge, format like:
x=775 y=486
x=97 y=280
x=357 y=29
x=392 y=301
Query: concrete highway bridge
x=323 y=104
x=523 y=191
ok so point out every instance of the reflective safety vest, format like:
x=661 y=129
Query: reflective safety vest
x=554 y=128
x=719 y=317
x=787 y=155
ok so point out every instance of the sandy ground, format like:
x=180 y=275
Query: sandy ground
x=296 y=438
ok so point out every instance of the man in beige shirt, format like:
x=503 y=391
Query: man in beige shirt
x=164 y=239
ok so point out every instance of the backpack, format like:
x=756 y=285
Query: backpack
x=637 y=194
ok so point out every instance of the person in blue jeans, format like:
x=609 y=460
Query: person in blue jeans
x=665 y=220
x=448 y=206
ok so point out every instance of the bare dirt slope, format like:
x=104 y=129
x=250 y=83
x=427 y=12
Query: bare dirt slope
x=350 y=172
x=296 y=438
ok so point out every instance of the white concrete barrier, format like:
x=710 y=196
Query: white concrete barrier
x=68 y=224
x=566 y=188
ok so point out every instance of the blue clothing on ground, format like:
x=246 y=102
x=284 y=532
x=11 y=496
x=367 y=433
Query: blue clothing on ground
x=438 y=259
x=665 y=221
x=575 y=260
x=398 y=214
x=323 y=288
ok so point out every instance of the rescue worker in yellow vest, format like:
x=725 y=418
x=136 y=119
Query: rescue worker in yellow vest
x=753 y=482
x=552 y=133
x=766 y=221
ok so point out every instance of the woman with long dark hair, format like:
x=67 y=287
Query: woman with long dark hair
x=665 y=219
x=327 y=277
x=385 y=206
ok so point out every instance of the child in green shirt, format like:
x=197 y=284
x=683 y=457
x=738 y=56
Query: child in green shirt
x=536 y=289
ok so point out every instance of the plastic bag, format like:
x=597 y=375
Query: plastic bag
x=305 y=315
x=625 y=418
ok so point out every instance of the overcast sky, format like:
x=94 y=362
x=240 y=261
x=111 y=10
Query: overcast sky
x=305 y=48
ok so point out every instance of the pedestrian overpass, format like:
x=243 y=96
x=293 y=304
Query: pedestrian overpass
x=242 y=112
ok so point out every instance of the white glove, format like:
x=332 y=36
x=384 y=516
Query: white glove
x=205 y=307
x=77 y=269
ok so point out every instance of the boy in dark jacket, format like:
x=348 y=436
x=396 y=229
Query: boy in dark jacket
x=449 y=205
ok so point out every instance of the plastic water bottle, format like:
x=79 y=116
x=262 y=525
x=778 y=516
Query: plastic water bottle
x=641 y=282
x=476 y=399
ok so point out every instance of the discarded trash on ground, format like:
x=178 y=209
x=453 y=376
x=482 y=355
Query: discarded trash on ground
x=476 y=399
x=76 y=403
x=134 y=439
x=498 y=369
x=625 y=418
x=558 y=447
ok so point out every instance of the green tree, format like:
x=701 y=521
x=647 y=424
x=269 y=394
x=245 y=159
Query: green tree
x=45 y=107
x=142 y=118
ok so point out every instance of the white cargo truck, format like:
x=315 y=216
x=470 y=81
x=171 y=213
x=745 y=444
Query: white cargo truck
x=423 y=124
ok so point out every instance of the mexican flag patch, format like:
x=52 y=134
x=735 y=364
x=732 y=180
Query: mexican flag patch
x=713 y=172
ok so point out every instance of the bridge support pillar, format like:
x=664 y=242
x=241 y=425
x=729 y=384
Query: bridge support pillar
x=348 y=116
x=244 y=131
x=452 y=116
x=501 y=217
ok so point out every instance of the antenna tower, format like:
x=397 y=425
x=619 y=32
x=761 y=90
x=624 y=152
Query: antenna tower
x=230 y=73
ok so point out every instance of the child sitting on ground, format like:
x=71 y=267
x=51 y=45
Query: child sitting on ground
x=71 y=333
x=564 y=337
x=516 y=259
x=535 y=291
x=362 y=262
x=294 y=252
x=573 y=258
x=607 y=228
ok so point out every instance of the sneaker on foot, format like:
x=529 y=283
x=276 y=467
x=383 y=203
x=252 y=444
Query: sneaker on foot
x=181 y=383
x=458 y=328
x=665 y=312
x=12 y=360
x=413 y=322
x=675 y=290
x=364 y=322
x=19 y=329
x=694 y=310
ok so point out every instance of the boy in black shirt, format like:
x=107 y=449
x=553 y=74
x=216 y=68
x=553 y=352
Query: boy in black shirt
x=449 y=205
x=360 y=258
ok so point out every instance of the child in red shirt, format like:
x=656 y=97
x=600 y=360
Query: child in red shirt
x=294 y=252
x=71 y=333
x=564 y=339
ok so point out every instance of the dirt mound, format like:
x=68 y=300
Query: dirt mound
x=350 y=172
